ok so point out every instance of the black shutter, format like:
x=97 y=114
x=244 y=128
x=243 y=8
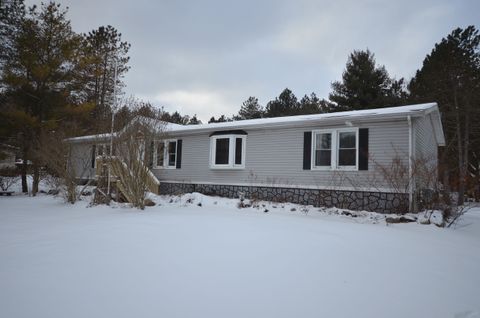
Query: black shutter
x=307 y=150
x=93 y=156
x=179 y=153
x=150 y=154
x=363 y=149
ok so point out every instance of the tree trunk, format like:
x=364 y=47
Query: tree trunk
x=466 y=145
x=461 y=161
x=24 y=168
x=36 y=179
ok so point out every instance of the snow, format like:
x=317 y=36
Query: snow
x=387 y=112
x=200 y=256
x=417 y=109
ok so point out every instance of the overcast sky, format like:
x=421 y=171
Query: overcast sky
x=207 y=57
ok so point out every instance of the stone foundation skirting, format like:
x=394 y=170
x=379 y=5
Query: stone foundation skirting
x=353 y=200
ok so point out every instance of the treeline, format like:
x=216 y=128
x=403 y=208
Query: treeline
x=53 y=79
x=450 y=76
x=364 y=85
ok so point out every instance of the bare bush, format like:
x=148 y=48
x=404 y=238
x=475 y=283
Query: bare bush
x=8 y=177
x=62 y=164
x=456 y=213
x=133 y=155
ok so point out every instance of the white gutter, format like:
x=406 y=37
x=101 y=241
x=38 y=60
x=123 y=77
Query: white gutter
x=410 y=163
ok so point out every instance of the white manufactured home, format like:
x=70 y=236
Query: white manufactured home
x=376 y=159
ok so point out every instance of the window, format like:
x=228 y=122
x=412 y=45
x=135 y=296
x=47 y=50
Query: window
x=238 y=151
x=347 y=149
x=227 y=151
x=222 y=151
x=160 y=153
x=335 y=149
x=323 y=150
x=165 y=155
x=172 y=153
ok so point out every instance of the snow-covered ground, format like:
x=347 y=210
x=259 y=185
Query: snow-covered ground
x=199 y=256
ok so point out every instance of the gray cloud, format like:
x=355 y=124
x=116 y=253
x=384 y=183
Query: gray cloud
x=207 y=57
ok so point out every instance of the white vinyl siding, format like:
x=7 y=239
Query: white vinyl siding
x=275 y=157
x=425 y=149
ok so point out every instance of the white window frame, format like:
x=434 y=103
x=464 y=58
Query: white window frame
x=165 y=154
x=231 y=151
x=337 y=150
x=314 y=148
x=335 y=143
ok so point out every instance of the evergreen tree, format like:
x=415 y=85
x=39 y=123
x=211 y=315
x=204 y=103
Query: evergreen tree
x=103 y=49
x=313 y=105
x=365 y=85
x=38 y=76
x=12 y=14
x=220 y=119
x=194 y=120
x=286 y=104
x=250 y=109
x=176 y=118
x=450 y=75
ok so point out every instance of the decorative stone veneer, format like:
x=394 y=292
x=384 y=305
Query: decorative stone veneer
x=353 y=200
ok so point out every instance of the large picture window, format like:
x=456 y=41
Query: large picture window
x=227 y=151
x=165 y=154
x=335 y=149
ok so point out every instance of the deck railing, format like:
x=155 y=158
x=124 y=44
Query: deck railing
x=151 y=182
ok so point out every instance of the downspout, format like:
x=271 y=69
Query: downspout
x=410 y=164
x=112 y=127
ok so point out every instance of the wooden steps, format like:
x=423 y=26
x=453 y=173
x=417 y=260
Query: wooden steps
x=152 y=183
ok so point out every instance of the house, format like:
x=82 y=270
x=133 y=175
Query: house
x=367 y=159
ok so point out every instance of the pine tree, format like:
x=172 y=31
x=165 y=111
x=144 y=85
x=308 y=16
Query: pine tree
x=450 y=75
x=103 y=49
x=12 y=14
x=38 y=76
x=313 y=105
x=194 y=120
x=365 y=85
x=220 y=119
x=176 y=118
x=286 y=104
x=250 y=109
